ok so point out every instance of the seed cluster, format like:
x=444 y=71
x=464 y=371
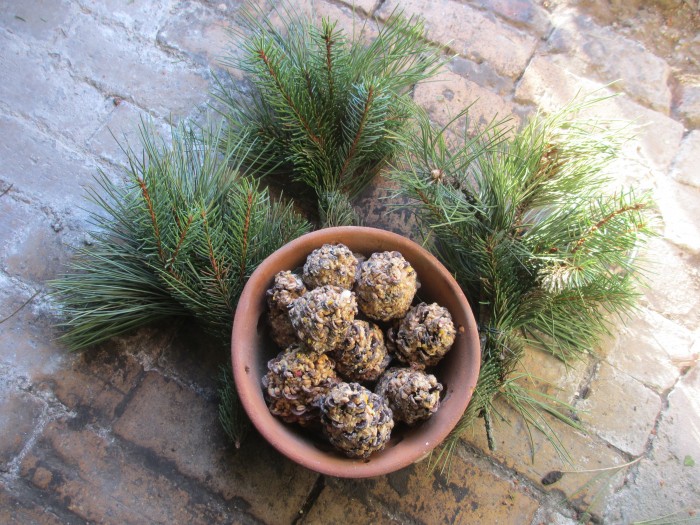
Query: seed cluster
x=424 y=335
x=362 y=356
x=412 y=394
x=330 y=264
x=285 y=289
x=386 y=286
x=322 y=316
x=295 y=381
x=355 y=420
x=332 y=321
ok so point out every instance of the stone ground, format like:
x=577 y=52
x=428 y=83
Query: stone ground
x=128 y=433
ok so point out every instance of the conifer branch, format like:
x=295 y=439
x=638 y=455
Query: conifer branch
x=327 y=108
x=597 y=226
x=509 y=217
x=167 y=242
x=154 y=222
x=287 y=97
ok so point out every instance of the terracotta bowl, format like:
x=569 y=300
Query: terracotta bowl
x=251 y=348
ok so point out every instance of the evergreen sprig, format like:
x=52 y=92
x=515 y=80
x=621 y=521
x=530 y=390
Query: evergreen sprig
x=544 y=253
x=325 y=107
x=179 y=238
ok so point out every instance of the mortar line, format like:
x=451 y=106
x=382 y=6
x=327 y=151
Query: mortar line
x=311 y=498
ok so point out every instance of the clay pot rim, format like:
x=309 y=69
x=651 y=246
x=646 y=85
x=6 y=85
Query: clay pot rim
x=416 y=444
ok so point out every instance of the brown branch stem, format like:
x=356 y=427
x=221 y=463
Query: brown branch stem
x=182 y=238
x=154 y=221
x=360 y=129
x=271 y=70
x=603 y=221
x=246 y=228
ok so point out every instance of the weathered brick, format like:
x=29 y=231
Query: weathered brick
x=19 y=416
x=685 y=167
x=482 y=74
x=40 y=166
x=352 y=24
x=38 y=19
x=667 y=483
x=365 y=6
x=122 y=129
x=17 y=509
x=530 y=453
x=470 y=33
x=550 y=87
x=13 y=292
x=550 y=376
x=175 y=423
x=522 y=13
x=341 y=504
x=94 y=384
x=200 y=32
x=27 y=344
x=628 y=421
x=139 y=16
x=680 y=209
x=99 y=481
x=121 y=65
x=673 y=289
x=470 y=494
x=71 y=108
x=381 y=207
x=688 y=107
x=445 y=95
x=586 y=49
x=33 y=249
x=651 y=349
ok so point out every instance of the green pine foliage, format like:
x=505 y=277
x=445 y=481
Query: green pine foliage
x=179 y=238
x=325 y=107
x=544 y=252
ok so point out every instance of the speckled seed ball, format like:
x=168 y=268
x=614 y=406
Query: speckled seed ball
x=295 y=382
x=412 y=394
x=322 y=316
x=425 y=335
x=286 y=287
x=356 y=421
x=362 y=355
x=386 y=286
x=332 y=264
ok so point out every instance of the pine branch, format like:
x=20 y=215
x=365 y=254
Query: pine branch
x=326 y=109
x=543 y=253
x=179 y=238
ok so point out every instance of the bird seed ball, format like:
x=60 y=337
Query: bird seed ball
x=295 y=382
x=425 y=335
x=386 y=286
x=286 y=287
x=412 y=395
x=362 y=355
x=332 y=264
x=322 y=316
x=355 y=420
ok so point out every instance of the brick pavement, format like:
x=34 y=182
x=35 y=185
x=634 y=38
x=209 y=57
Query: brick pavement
x=127 y=433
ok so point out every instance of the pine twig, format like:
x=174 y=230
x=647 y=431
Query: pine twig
x=17 y=310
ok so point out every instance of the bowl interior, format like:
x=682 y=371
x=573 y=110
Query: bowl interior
x=252 y=348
